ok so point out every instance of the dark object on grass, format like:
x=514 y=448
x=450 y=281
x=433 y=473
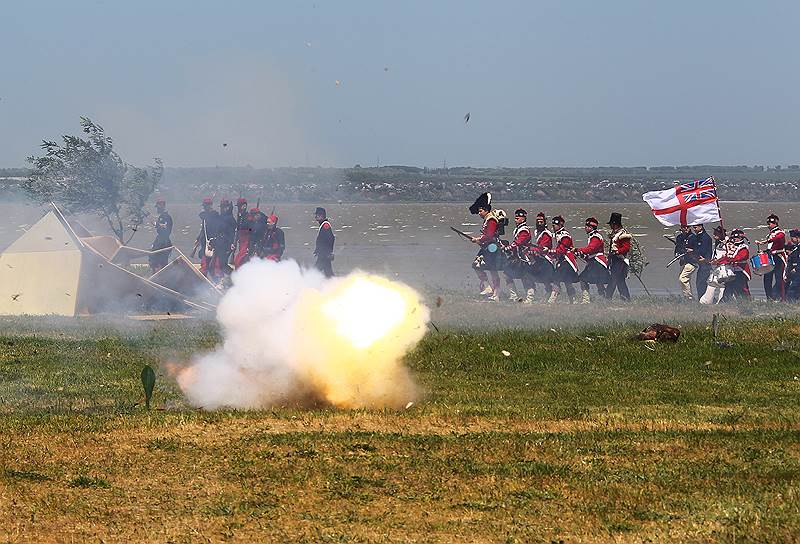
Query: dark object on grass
x=725 y=345
x=660 y=333
x=148 y=382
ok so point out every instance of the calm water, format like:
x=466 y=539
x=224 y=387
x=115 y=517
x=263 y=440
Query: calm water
x=414 y=243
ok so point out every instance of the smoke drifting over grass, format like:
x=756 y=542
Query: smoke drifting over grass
x=293 y=337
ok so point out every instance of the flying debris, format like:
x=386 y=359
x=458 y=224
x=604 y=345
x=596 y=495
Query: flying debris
x=385 y=68
x=225 y=145
x=466 y=118
x=338 y=82
x=308 y=44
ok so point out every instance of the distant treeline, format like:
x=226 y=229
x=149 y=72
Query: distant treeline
x=410 y=183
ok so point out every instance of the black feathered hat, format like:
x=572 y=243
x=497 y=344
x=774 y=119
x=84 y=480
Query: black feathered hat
x=484 y=201
x=616 y=219
x=772 y=218
x=558 y=220
x=521 y=213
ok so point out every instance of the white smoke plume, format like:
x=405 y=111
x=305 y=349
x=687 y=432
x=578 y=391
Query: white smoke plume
x=293 y=337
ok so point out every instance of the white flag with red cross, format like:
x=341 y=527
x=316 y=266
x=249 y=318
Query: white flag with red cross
x=692 y=203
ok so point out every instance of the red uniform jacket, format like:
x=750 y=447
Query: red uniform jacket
x=488 y=231
x=564 y=248
x=522 y=238
x=776 y=244
x=738 y=256
x=595 y=249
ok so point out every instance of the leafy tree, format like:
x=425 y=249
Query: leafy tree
x=88 y=176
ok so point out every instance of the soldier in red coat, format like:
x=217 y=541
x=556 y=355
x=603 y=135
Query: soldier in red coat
x=737 y=256
x=619 y=247
x=596 y=270
x=774 y=285
x=541 y=258
x=488 y=258
x=518 y=264
x=566 y=270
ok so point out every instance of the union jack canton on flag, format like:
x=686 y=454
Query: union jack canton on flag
x=693 y=203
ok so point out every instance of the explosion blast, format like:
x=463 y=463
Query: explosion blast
x=293 y=337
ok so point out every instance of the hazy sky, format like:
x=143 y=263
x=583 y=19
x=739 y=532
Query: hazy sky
x=546 y=83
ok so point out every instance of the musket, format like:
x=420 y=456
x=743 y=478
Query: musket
x=461 y=233
x=670 y=238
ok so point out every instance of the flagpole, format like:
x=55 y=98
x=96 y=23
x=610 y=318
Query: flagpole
x=719 y=210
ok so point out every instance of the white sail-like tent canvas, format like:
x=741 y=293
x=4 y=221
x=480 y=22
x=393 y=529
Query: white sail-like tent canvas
x=51 y=270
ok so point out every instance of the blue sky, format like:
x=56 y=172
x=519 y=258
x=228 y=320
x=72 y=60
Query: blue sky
x=545 y=83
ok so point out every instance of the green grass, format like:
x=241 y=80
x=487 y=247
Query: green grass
x=579 y=434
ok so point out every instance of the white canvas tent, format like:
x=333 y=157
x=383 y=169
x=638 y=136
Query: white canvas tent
x=51 y=270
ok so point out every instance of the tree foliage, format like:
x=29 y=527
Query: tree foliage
x=86 y=175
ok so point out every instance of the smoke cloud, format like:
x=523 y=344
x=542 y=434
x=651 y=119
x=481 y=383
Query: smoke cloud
x=293 y=337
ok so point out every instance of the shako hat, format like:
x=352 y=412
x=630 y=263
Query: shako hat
x=320 y=211
x=520 y=213
x=592 y=222
x=484 y=201
x=616 y=219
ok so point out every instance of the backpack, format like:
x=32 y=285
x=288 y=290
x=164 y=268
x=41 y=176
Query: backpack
x=502 y=222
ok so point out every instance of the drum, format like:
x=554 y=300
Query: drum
x=762 y=263
x=721 y=275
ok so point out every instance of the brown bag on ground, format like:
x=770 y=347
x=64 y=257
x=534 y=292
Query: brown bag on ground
x=660 y=333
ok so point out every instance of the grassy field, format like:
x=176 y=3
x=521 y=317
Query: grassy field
x=579 y=435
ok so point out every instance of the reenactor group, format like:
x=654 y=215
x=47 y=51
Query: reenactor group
x=226 y=241
x=548 y=256
x=723 y=265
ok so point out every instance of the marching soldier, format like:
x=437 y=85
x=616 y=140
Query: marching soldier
x=566 y=270
x=488 y=257
x=713 y=294
x=792 y=272
x=274 y=241
x=738 y=256
x=596 y=270
x=541 y=258
x=776 y=246
x=687 y=267
x=518 y=266
x=163 y=226
x=325 y=241
x=619 y=248
x=699 y=252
